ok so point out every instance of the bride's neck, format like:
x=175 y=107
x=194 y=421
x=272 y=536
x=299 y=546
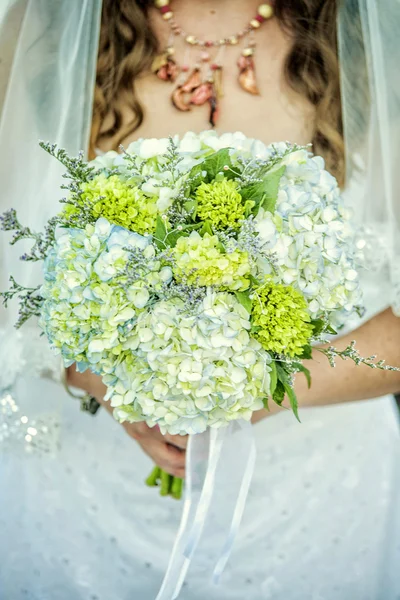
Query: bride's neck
x=216 y=5
x=216 y=18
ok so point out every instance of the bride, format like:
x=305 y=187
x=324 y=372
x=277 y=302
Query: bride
x=322 y=519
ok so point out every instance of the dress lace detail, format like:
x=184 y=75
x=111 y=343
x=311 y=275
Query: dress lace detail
x=25 y=352
x=322 y=519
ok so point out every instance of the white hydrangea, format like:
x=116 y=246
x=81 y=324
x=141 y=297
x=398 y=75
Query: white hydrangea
x=186 y=373
x=87 y=305
x=239 y=143
x=310 y=239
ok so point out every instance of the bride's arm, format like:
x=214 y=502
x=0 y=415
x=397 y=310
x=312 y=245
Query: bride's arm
x=347 y=382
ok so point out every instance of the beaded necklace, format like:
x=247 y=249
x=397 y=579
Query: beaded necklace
x=201 y=81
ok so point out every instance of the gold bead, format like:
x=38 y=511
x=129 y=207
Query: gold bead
x=170 y=51
x=168 y=15
x=255 y=24
x=265 y=10
x=233 y=40
x=190 y=39
x=161 y=3
x=248 y=52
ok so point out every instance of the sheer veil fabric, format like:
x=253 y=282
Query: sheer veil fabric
x=369 y=57
x=49 y=95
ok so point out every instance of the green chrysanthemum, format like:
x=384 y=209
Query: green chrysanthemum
x=220 y=203
x=201 y=262
x=120 y=203
x=281 y=319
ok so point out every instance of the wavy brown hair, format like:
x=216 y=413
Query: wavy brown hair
x=128 y=44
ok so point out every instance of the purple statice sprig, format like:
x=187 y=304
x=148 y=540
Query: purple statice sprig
x=177 y=215
x=351 y=353
x=134 y=166
x=170 y=161
x=77 y=168
x=246 y=240
x=30 y=301
x=78 y=171
x=252 y=170
x=191 y=295
x=172 y=158
x=9 y=222
x=82 y=216
x=42 y=241
x=137 y=267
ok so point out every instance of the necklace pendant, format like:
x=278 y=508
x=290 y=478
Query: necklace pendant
x=165 y=67
x=202 y=94
x=192 y=82
x=186 y=87
x=201 y=84
x=247 y=75
x=214 y=111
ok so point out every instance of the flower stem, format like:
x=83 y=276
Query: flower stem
x=176 y=488
x=153 y=478
x=168 y=484
x=165 y=482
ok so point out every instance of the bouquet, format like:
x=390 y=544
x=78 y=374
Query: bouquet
x=194 y=275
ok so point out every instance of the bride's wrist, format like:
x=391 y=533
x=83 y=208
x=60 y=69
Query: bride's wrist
x=81 y=381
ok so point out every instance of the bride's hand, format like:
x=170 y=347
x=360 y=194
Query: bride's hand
x=167 y=451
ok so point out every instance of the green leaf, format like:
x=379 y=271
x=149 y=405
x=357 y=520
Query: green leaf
x=254 y=281
x=331 y=330
x=271 y=189
x=281 y=373
x=265 y=402
x=279 y=393
x=302 y=369
x=196 y=177
x=255 y=328
x=284 y=381
x=173 y=236
x=273 y=377
x=191 y=207
x=265 y=193
x=206 y=228
x=318 y=326
x=160 y=233
x=215 y=164
x=245 y=300
x=248 y=207
x=292 y=399
x=307 y=353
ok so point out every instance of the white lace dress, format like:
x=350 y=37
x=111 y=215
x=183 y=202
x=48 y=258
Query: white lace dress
x=77 y=523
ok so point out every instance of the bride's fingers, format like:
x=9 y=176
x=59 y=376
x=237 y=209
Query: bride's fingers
x=169 y=458
x=141 y=431
x=177 y=461
x=180 y=441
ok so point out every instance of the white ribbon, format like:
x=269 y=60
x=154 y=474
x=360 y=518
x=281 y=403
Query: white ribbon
x=209 y=456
